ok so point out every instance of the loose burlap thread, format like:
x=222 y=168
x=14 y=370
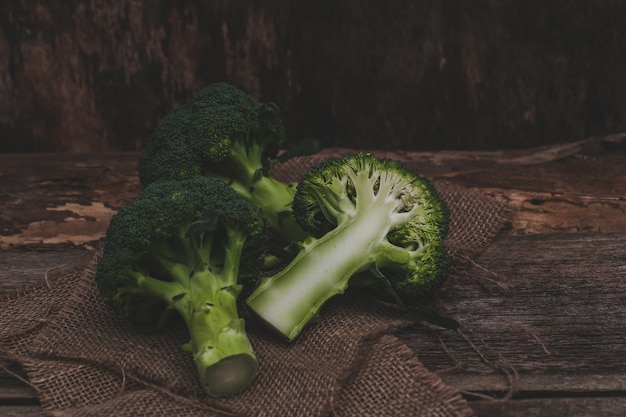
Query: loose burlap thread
x=85 y=361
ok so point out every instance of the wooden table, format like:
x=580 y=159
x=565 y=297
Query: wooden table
x=543 y=307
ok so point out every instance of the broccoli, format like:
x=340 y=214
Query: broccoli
x=365 y=214
x=224 y=133
x=187 y=247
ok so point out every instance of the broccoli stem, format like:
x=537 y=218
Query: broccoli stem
x=290 y=299
x=245 y=175
x=207 y=301
x=221 y=350
x=274 y=198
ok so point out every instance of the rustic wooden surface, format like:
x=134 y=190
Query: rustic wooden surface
x=542 y=309
x=93 y=76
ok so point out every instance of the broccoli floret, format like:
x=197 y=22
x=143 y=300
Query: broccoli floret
x=365 y=215
x=187 y=247
x=224 y=133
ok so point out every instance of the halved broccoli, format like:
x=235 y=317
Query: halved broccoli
x=185 y=246
x=224 y=133
x=365 y=214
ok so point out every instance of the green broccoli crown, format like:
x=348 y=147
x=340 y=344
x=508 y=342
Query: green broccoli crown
x=328 y=191
x=169 y=223
x=179 y=247
x=412 y=255
x=224 y=133
x=365 y=214
x=221 y=132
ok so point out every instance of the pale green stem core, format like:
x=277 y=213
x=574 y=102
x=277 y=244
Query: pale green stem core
x=290 y=299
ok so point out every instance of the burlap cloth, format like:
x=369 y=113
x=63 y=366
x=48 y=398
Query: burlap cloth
x=84 y=361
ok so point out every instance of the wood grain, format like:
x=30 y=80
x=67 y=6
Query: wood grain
x=94 y=76
x=549 y=308
x=580 y=187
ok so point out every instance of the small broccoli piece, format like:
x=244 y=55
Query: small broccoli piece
x=365 y=215
x=224 y=133
x=187 y=247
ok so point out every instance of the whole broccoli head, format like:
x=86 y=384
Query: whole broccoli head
x=180 y=246
x=366 y=215
x=224 y=133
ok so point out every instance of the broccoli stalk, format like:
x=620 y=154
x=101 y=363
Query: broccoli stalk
x=180 y=247
x=206 y=299
x=245 y=174
x=372 y=215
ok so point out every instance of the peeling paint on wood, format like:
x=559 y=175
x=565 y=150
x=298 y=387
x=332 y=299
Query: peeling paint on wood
x=82 y=224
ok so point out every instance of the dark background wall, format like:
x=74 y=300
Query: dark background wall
x=90 y=76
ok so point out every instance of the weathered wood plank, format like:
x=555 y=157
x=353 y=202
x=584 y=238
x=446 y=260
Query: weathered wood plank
x=427 y=74
x=555 y=212
x=543 y=407
x=13 y=388
x=20 y=269
x=21 y=411
x=548 y=310
x=48 y=200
